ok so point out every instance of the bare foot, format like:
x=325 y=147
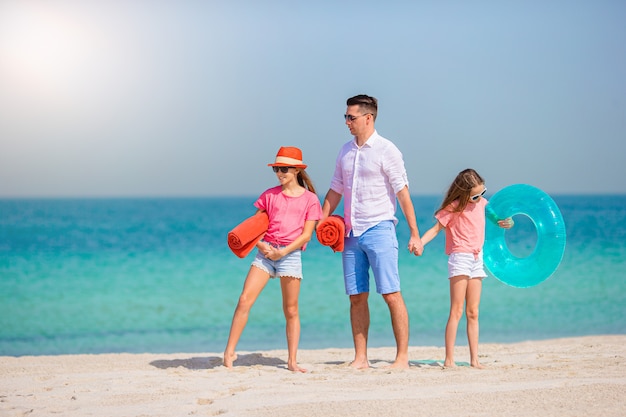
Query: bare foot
x=229 y=358
x=477 y=365
x=399 y=365
x=362 y=364
x=449 y=364
x=296 y=368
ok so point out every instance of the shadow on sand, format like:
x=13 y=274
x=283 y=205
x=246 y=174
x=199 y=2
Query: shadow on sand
x=212 y=362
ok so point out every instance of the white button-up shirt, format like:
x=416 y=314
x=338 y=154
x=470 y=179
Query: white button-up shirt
x=369 y=177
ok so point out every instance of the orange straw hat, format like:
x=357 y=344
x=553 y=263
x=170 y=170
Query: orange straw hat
x=288 y=156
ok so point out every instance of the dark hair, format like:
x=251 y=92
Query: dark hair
x=366 y=104
x=460 y=189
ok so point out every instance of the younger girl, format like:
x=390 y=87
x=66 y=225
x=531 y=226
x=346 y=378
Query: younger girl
x=462 y=215
x=293 y=208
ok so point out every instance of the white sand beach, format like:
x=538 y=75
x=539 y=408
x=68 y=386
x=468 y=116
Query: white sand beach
x=584 y=376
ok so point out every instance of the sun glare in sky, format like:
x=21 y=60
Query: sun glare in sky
x=43 y=50
x=144 y=97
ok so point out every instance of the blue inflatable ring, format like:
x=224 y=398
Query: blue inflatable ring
x=543 y=261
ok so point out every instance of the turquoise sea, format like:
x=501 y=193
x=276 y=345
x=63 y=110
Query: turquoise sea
x=156 y=275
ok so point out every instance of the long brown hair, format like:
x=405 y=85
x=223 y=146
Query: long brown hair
x=305 y=181
x=460 y=189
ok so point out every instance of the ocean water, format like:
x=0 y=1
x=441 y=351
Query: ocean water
x=156 y=275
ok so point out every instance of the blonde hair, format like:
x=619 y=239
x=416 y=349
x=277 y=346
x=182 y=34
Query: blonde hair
x=460 y=190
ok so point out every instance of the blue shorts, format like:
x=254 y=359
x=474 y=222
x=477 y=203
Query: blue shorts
x=287 y=266
x=377 y=248
x=466 y=264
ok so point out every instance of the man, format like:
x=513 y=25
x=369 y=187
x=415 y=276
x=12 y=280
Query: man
x=370 y=175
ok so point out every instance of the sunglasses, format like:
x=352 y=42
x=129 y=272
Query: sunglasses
x=351 y=118
x=284 y=170
x=477 y=196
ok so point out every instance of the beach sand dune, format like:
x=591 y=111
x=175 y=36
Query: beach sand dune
x=584 y=376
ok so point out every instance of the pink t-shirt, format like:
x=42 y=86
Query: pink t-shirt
x=465 y=231
x=287 y=214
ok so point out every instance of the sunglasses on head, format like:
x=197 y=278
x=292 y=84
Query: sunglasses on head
x=477 y=196
x=284 y=170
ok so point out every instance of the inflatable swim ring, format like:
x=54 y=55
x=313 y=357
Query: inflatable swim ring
x=523 y=199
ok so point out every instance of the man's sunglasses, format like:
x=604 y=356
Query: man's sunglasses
x=351 y=118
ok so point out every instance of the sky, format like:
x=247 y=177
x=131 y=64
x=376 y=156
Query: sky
x=182 y=98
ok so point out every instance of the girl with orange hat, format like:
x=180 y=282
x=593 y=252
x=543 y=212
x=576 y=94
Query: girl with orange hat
x=293 y=209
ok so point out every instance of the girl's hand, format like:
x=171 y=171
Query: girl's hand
x=273 y=253
x=416 y=247
x=264 y=248
x=506 y=223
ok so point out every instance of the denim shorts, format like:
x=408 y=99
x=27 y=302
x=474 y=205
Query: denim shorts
x=466 y=264
x=377 y=249
x=287 y=266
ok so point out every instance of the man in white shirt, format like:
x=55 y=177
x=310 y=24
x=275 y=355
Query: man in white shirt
x=370 y=175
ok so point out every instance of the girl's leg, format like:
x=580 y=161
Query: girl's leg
x=291 y=290
x=458 y=288
x=252 y=287
x=474 y=288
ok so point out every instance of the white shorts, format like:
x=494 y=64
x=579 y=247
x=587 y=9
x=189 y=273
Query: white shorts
x=466 y=264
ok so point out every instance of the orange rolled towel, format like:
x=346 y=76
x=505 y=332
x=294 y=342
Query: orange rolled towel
x=244 y=237
x=331 y=231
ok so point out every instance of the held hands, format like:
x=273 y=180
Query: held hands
x=506 y=223
x=416 y=247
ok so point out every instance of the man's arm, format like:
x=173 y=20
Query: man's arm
x=406 y=204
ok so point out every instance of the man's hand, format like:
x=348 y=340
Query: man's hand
x=416 y=247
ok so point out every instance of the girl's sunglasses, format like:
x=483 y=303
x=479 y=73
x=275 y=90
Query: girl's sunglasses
x=477 y=196
x=284 y=170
